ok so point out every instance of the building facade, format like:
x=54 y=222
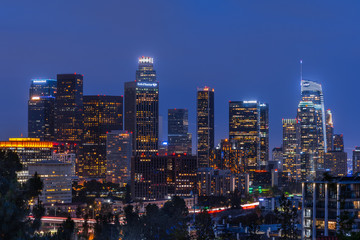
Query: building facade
x=142 y=109
x=329 y=131
x=338 y=140
x=291 y=157
x=204 y=125
x=69 y=115
x=41 y=109
x=29 y=150
x=249 y=124
x=102 y=114
x=118 y=157
x=179 y=139
x=57 y=180
x=356 y=160
x=325 y=202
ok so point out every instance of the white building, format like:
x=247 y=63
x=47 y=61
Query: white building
x=57 y=179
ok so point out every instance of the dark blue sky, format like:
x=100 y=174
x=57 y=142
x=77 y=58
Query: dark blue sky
x=244 y=49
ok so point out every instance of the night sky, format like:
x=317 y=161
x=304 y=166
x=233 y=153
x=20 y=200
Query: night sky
x=246 y=50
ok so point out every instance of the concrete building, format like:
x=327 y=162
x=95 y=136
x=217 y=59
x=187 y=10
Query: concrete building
x=57 y=180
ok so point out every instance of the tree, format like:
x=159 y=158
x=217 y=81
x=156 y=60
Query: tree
x=204 y=226
x=66 y=230
x=132 y=227
x=287 y=216
x=14 y=199
x=253 y=221
x=175 y=212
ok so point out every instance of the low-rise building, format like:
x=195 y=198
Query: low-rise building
x=325 y=202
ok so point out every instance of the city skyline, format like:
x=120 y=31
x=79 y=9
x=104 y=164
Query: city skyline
x=272 y=63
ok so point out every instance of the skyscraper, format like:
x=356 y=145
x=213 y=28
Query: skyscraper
x=179 y=140
x=118 y=157
x=69 y=117
x=142 y=120
x=329 y=130
x=41 y=109
x=142 y=109
x=312 y=92
x=102 y=114
x=309 y=154
x=338 y=140
x=291 y=164
x=356 y=160
x=205 y=125
x=249 y=124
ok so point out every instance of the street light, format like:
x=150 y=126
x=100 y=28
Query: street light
x=92 y=211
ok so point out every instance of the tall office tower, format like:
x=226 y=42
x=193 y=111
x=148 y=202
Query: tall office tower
x=205 y=125
x=309 y=149
x=69 y=116
x=264 y=133
x=356 y=160
x=248 y=124
x=336 y=163
x=142 y=109
x=291 y=164
x=312 y=92
x=179 y=140
x=338 y=140
x=228 y=156
x=118 y=157
x=329 y=130
x=41 y=109
x=102 y=114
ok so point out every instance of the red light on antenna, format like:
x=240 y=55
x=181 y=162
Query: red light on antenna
x=75 y=73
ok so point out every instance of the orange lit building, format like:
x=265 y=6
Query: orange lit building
x=29 y=150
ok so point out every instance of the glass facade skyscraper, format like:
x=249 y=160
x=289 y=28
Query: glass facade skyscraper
x=291 y=134
x=102 y=114
x=205 y=125
x=142 y=109
x=329 y=131
x=142 y=120
x=118 y=157
x=249 y=124
x=69 y=115
x=41 y=109
x=179 y=140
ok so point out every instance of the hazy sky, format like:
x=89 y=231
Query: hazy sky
x=244 y=49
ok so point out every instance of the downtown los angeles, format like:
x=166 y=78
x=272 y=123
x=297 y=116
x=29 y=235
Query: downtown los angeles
x=184 y=120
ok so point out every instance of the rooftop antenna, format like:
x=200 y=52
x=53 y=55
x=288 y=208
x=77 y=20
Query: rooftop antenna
x=301 y=75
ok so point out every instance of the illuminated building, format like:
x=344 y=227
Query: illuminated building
x=179 y=140
x=57 y=180
x=228 y=156
x=309 y=150
x=205 y=125
x=336 y=163
x=66 y=157
x=356 y=160
x=41 y=109
x=69 y=117
x=329 y=131
x=181 y=175
x=149 y=178
x=102 y=114
x=249 y=125
x=338 y=140
x=291 y=137
x=217 y=182
x=312 y=92
x=29 y=150
x=142 y=109
x=163 y=148
x=323 y=202
x=277 y=158
x=118 y=157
